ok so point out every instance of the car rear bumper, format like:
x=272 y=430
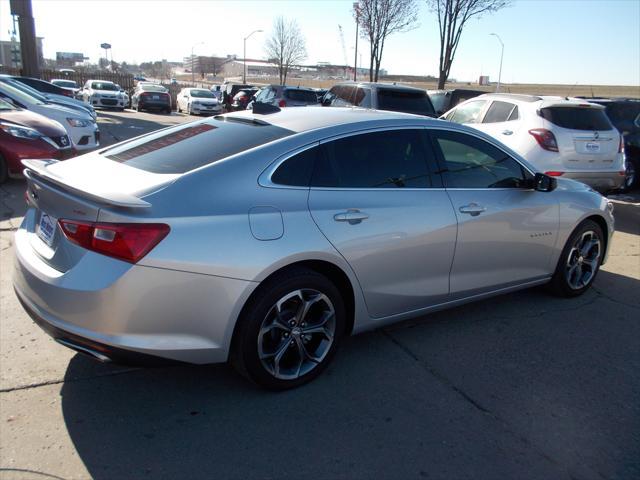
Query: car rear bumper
x=105 y=305
x=108 y=103
x=154 y=105
x=600 y=181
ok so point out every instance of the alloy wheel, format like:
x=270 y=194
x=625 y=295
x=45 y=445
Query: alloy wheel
x=296 y=334
x=582 y=261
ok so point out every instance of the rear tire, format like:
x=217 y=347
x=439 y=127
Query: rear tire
x=632 y=170
x=579 y=261
x=289 y=330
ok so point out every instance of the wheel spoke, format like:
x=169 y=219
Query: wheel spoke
x=305 y=353
x=282 y=349
x=303 y=311
x=319 y=329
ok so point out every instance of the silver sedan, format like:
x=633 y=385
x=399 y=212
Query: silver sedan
x=266 y=237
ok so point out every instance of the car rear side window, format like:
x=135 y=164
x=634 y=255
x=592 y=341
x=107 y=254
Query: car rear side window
x=577 y=118
x=296 y=170
x=186 y=147
x=301 y=95
x=470 y=162
x=388 y=159
x=406 y=101
x=498 y=112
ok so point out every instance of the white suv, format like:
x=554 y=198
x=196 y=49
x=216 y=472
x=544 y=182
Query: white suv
x=101 y=93
x=568 y=138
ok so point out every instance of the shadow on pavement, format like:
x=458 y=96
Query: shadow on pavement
x=12 y=204
x=520 y=386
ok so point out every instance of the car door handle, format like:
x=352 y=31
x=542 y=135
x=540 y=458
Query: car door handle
x=472 y=209
x=352 y=216
x=507 y=132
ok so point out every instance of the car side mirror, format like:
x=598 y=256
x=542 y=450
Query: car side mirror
x=544 y=183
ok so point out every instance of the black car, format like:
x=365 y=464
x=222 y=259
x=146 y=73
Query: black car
x=147 y=96
x=380 y=96
x=445 y=100
x=624 y=113
x=44 y=87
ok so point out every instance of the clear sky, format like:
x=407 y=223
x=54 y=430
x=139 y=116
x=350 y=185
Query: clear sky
x=546 y=41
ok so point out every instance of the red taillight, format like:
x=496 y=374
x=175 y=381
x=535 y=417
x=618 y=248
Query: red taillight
x=553 y=173
x=621 y=145
x=67 y=93
x=125 y=241
x=545 y=138
x=282 y=103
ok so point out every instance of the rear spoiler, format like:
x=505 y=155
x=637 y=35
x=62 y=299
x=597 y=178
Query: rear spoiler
x=38 y=168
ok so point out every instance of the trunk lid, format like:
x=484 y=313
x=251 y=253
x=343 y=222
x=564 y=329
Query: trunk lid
x=76 y=190
x=586 y=139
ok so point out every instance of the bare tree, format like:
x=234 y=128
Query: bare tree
x=452 y=17
x=286 y=46
x=380 y=18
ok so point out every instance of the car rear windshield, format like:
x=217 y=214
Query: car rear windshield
x=577 y=118
x=153 y=88
x=301 y=95
x=65 y=83
x=183 y=148
x=405 y=101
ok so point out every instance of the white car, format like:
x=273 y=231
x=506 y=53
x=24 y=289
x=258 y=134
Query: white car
x=81 y=128
x=568 y=138
x=101 y=93
x=197 y=101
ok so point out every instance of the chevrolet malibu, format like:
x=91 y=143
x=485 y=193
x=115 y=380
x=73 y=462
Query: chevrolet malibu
x=265 y=237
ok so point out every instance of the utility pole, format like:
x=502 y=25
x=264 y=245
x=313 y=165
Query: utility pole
x=28 y=50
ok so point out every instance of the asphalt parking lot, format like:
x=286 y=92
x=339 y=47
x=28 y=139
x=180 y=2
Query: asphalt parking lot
x=520 y=386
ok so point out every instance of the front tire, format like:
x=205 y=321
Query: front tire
x=580 y=261
x=289 y=330
x=4 y=170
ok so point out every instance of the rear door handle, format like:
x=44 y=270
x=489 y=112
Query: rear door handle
x=353 y=216
x=472 y=209
x=507 y=132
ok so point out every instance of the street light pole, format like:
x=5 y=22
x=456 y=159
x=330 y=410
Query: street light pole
x=244 y=57
x=501 y=55
x=355 y=60
x=192 y=62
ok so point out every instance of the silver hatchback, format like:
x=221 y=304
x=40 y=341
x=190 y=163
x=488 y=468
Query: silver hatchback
x=264 y=239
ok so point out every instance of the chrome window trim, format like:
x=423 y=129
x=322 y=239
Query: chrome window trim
x=264 y=179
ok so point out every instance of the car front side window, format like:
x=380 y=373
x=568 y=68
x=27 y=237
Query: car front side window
x=470 y=162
